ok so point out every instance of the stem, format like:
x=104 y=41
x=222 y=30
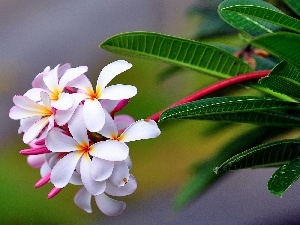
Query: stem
x=215 y=87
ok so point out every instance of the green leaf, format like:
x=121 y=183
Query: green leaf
x=284 y=177
x=243 y=109
x=274 y=153
x=282 y=44
x=204 y=176
x=294 y=5
x=178 y=51
x=250 y=25
x=284 y=78
x=269 y=14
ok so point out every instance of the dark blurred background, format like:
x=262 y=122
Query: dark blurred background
x=35 y=34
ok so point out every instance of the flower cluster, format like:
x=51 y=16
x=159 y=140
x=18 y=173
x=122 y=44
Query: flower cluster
x=75 y=137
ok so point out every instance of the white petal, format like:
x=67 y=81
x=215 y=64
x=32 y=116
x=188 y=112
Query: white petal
x=118 y=92
x=93 y=115
x=51 y=79
x=34 y=94
x=77 y=127
x=63 y=116
x=109 y=206
x=59 y=142
x=110 y=150
x=101 y=169
x=26 y=123
x=83 y=200
x=35 y=130
x=76 y=178
x=45 y=169
x=92 y=186
x=26 y=103
x=81 y=82
x=71 y=74
x=110 y=71
x=64 y=168
x=17 y=113
x=109 y=129
x=45 y=99
x=64 y=102
x=141 y=129
x=120 y=174
x=127 y=189
x=123 y=121
x=128 y=162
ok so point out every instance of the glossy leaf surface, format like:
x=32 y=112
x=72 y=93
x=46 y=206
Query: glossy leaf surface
x=178 y=51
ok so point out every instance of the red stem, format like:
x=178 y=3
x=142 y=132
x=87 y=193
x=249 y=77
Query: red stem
x=213 y=88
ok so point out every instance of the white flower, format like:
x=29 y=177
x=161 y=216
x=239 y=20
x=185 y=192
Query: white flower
x=93 y=112
x=53 y=83
x=107 y=205
x=42 y=115
x=79 y=149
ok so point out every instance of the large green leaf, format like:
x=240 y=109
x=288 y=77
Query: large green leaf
x=284 y=177
x=284 y=78
x=294 y=5
x=178 y=51
x=244 y=109
x=282 y=44
x=275 y=153
x=203 y=176
x=250 y=25
x=270 y=14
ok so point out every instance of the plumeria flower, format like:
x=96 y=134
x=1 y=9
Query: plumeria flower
x=53 y=82
x=107 y=205
x=93 y=112
x=42 y=115
x=80 y=151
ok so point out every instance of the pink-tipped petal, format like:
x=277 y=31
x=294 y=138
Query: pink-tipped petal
x=127 y=189
x=56 y=141
x=92 y=186
x=93 y=115
x=110 y=150
x=63 y=170
x=141 y=129
x=120 y=105
x=35 y=161
x=83 y=200
x=38 y=80
x=120 y=174
x=35 y=130
x=77 y=127
x=109 y=105
x=109 y=206
x=71 y=74
x=123 y=121
x=54 y=192
x=118 y=92
x=109 y=130
x=112 y=70
x=101 y=169
x=64 y=102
